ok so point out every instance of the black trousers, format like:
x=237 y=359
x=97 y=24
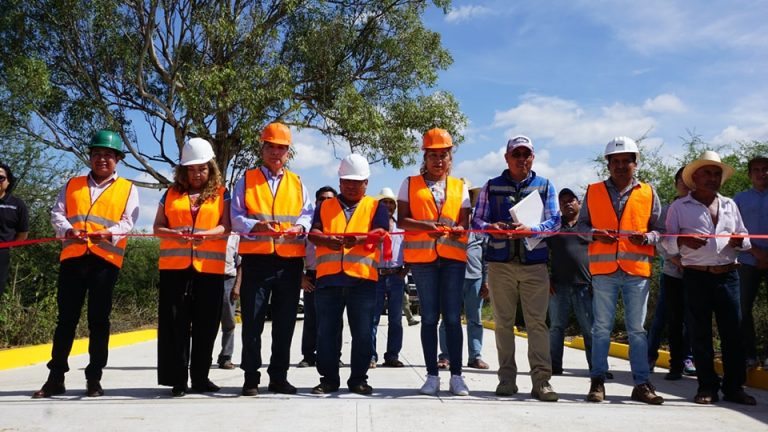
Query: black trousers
x=5 y=261
x=79 y=276
x=189 y=307
x=276 y=280
x=309 y=332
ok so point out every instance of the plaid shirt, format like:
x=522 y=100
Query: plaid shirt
x=551 y=222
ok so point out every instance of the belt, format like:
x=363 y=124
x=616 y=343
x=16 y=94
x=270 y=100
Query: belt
x=714 y=269
x=390 y=270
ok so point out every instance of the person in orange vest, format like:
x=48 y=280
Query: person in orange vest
x=91 y=213
x=347 y=274
x=272 y=211
x=437 y=206
x=621 y=217
x=191 y=269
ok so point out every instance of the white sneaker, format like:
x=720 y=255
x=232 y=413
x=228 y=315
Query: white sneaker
x=431 y=386
x=457 y=386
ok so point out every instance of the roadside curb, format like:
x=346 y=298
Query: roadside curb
x=757 y=378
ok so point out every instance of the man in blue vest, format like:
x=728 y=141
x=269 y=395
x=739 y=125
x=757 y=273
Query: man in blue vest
x=514 y=271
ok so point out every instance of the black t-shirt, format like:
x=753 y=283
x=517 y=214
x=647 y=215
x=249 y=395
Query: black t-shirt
x=14 y=217
x=570 y=259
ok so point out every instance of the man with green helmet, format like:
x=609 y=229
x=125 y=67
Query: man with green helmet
x=91 y=215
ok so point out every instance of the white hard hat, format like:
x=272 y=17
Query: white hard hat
x=354 y=167
x=386 y=193
x=196 y=151
x=621 y=144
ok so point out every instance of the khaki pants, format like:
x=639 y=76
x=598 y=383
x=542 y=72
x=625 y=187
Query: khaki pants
x=508 y=282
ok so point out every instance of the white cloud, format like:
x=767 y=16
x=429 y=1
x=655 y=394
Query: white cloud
x=665 y=103
x=573 y=174
x=565 y=123
x=465 y=13
x=671 y=25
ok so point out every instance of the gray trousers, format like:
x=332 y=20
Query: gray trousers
x=227 y=322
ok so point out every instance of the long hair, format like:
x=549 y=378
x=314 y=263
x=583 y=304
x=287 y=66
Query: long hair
x=423 y=168
x=210 y=188
x=10 y=176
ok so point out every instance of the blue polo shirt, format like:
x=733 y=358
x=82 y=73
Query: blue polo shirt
x=753 y=206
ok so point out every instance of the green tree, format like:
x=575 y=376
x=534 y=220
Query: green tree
x=357 y=71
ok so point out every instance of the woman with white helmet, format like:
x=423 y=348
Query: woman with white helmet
x=193 y=222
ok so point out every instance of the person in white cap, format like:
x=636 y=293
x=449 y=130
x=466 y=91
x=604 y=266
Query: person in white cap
x=390 y=288
x=192 y=269
x=346 y=269
x=518 y=274
x=712 y=237
x=621 y=217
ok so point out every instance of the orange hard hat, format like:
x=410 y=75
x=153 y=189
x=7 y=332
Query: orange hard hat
x=437 y=138
x=276 y=133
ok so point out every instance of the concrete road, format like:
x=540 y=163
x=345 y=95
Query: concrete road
x=134 y=402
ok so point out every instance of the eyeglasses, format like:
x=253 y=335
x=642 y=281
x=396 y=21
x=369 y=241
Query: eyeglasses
x=3 y=178
x=521 y=155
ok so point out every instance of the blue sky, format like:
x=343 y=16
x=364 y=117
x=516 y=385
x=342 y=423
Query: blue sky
x=573 y=74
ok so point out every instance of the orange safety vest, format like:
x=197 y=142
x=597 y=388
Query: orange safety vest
x=356 y=261
x=607 y=258
x=421 y=248
x=206 y=256
x=285 y=207
x=89 y=217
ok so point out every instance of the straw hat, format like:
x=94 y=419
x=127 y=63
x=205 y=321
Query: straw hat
x=707 y=158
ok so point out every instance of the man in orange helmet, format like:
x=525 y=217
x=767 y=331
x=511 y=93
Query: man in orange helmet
x=272 y=210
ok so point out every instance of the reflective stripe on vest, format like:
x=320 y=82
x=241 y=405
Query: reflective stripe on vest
x=206 y=256
x=284 y=207
x=421 y=248
x=89 y=217
x=356 y=261
x=607 y=258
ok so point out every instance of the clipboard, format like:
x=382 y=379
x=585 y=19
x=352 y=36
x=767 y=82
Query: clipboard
x=529 y=211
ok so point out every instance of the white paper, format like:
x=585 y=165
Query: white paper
x=529 y=212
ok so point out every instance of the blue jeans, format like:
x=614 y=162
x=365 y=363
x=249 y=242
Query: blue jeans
x=670 y=314
x=634 y=293
x=393 y=287
x=750 y=277
x=559 y=313
x=439 y=284
x=330 y=302
x=707 y=294
x=473 y=305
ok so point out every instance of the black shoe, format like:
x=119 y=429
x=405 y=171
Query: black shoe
x=283 y=387
x=50 y=388
x=250 y=389
x=393 y=363
x=306 y=363
x=558 y=371
x=608 y=376
x=739 y=397
x=205 y=387
x=93 y=389
x=179 y=391
x=324 y=388
x=673 y=376
x=362 y=389
x=226 y=364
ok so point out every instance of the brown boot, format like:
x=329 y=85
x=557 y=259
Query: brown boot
x=50 y=388
x=596 y=390
x=646 y=393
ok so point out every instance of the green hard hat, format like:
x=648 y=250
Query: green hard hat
x=107 y=139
